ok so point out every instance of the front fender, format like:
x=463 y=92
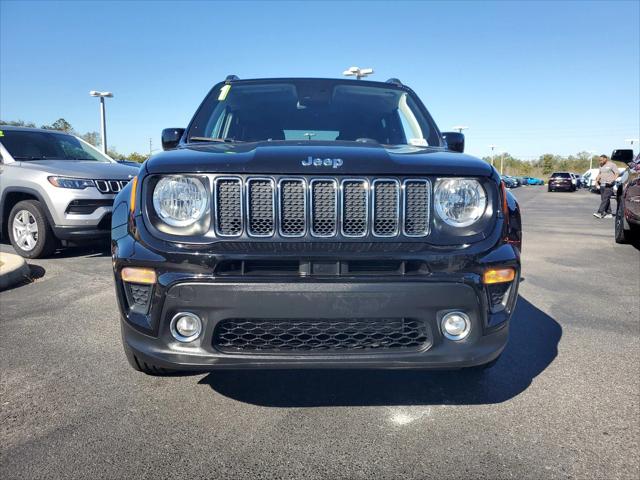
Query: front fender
x=514 y=225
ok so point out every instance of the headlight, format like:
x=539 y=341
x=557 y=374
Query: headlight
x=460 y=202
x=180 y=201
x=66 y=182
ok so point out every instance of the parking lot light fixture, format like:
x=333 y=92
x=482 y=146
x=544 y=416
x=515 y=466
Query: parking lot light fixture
x=358 y=72
x=492 y=147
x=103 y=120
x=460 y=128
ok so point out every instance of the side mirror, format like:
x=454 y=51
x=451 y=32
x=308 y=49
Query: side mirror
x=624 y=155
x=171 y=137
x=455 y=141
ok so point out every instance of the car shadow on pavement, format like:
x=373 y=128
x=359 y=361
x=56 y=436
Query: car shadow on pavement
x=93 y=249
x=533 y=345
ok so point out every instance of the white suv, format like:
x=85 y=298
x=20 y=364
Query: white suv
x=54 y=186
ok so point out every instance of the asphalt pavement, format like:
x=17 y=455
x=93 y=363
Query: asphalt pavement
x=562 y=402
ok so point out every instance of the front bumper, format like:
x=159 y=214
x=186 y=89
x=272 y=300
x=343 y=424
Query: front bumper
x=187 y=282
x=214 y=302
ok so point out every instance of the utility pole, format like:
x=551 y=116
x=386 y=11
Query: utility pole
x=103 y=118
x=492 y=147
x=150 y=145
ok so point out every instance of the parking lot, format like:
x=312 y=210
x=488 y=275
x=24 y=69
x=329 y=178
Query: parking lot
x=563 y=401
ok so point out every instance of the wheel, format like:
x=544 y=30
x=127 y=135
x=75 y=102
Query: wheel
x=549 y=190
x=29 y=230
x=620 y=234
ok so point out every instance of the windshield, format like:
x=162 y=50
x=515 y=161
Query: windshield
x=34 y=145
x=561 y=175
x=312 y=110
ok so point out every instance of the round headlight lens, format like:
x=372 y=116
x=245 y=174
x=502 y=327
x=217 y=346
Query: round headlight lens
x=460 y=202
x=180 y=201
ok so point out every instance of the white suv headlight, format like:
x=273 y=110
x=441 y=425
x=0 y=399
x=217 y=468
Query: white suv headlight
x=180 y=201
x=459 y=202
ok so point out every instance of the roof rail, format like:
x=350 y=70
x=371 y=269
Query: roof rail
x=394 y=81
x=231 y=78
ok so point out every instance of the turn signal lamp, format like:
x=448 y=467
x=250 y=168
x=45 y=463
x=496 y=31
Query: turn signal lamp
x=498 y=275
x=145 y=276
x=132 y=199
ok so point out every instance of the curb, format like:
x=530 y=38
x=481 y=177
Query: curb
x=13 y=270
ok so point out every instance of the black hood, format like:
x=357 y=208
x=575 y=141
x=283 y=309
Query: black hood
x=287 y=158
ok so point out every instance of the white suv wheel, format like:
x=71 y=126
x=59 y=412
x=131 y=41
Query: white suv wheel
x=25 y=230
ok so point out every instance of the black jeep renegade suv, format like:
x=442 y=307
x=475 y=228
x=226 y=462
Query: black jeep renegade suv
x=314 y=223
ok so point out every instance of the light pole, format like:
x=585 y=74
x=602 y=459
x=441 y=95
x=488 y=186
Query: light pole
x=631 y=141
x=103 y=120
x=460 y=128
x=492 y=147
x=357 y=72
x=590 y=152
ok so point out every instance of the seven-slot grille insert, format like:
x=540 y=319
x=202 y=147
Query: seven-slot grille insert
x=110 y=186
x=322 y=207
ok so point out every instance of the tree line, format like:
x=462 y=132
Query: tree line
x=545 y=165
x=90 y=137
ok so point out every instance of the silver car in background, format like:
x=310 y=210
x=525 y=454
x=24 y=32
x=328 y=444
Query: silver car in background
x=55 y=188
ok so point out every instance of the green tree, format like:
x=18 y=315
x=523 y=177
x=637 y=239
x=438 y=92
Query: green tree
x=61 y=125
x=17 y=123
x=137 y=157
x=92 y=137
x=547 y=163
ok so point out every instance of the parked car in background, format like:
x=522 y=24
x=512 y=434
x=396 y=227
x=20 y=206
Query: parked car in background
x=589 y=179
x=561 y=181
x=510 y=182
x=55 y=186
x=577 y=180
x=129 y=163
x=531 y=181
x=515 y=180
x=627 y=222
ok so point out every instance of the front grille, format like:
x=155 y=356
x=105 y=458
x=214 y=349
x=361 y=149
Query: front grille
x=416 y=208
x=348 y=335
x=323 y=208
x=293 y=207
x=354 y=208
x=228 y=206
x=110 y=186
x=386 y=207
x=261 y=207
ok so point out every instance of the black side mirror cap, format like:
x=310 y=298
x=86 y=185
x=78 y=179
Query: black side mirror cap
x=455 y=141
x=171 y=137
x=624 y=155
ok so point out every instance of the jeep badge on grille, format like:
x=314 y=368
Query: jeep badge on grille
x=322 y=162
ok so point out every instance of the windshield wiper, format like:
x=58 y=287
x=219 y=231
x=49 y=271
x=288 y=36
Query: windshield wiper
x=30 y=158
x=213 y=140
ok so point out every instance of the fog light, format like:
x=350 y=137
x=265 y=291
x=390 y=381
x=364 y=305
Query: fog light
x=186 y=326
x=456 y=325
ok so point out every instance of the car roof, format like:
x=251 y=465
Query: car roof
x=370 y=83
x=31 y=129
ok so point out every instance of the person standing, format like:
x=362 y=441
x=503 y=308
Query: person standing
x=605 y=180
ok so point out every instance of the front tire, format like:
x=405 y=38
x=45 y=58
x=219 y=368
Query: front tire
x=29 y=230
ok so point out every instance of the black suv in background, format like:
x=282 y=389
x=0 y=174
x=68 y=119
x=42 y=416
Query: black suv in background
x=562 y=181
x=314 y=223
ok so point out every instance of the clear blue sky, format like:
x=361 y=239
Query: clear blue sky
x=529 y=77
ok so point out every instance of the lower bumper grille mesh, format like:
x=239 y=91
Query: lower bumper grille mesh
x=317 y=336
